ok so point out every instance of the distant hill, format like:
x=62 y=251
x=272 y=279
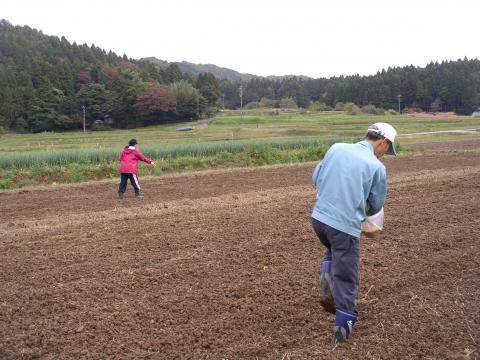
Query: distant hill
x=217 y=71
x=159 y=64
x=284 y=77
x=195 y=69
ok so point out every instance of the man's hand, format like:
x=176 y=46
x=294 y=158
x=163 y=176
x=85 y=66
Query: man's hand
x=152 y=163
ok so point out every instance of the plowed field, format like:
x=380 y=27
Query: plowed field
x=224 y=265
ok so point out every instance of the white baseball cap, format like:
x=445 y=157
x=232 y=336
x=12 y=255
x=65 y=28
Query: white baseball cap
x=386 y=131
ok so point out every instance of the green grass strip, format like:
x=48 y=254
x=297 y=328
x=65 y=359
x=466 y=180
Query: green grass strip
x=200 y=149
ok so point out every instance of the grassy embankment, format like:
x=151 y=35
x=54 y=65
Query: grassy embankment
x=230 y=140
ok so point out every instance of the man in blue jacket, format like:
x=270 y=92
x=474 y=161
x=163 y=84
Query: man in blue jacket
x=351 y=183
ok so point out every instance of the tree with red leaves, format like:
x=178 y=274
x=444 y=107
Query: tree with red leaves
x=127 y=65
x=155 y=101
x=83 y=77
x=112 y=74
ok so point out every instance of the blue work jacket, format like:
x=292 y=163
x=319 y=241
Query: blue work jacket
x=351 y=184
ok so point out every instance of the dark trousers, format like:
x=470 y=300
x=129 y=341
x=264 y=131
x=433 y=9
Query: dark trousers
x=124 y=177
x=343 y=250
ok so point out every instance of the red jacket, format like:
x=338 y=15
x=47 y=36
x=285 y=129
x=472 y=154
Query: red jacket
x=129 y=160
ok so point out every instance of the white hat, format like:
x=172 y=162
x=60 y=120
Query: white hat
x=386 y=131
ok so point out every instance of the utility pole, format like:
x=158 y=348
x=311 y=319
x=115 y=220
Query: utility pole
x=223 y=101
x=241 y=100
x=399 y=97
x=83 y=107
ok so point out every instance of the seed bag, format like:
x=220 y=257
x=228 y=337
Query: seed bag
x=373 y=224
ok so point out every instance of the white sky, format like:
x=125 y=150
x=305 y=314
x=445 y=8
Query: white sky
x=318 y=38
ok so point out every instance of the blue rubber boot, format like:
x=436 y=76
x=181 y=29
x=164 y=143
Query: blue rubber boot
x=326 y=287
x=343 y=326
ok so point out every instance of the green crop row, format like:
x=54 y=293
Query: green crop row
x=200 y=149
x=253 y=155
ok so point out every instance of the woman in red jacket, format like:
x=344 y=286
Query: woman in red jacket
x=129 y=167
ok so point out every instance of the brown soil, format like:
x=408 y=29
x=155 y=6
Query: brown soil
x=458 y=146
x=224 y=265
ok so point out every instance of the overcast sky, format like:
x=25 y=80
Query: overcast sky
x=317 y=38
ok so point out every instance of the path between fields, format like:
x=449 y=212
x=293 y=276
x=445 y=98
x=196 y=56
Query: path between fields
x=463 y=131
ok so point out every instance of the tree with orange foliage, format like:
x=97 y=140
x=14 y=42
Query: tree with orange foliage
x=155 y=101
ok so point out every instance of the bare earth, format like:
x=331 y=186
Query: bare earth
x=225 y=266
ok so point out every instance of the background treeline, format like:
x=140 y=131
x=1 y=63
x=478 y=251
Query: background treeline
x=447 y=86
x=45 y=82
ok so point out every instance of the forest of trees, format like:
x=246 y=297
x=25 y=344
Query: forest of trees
x=46 y=82
x=447 y=86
